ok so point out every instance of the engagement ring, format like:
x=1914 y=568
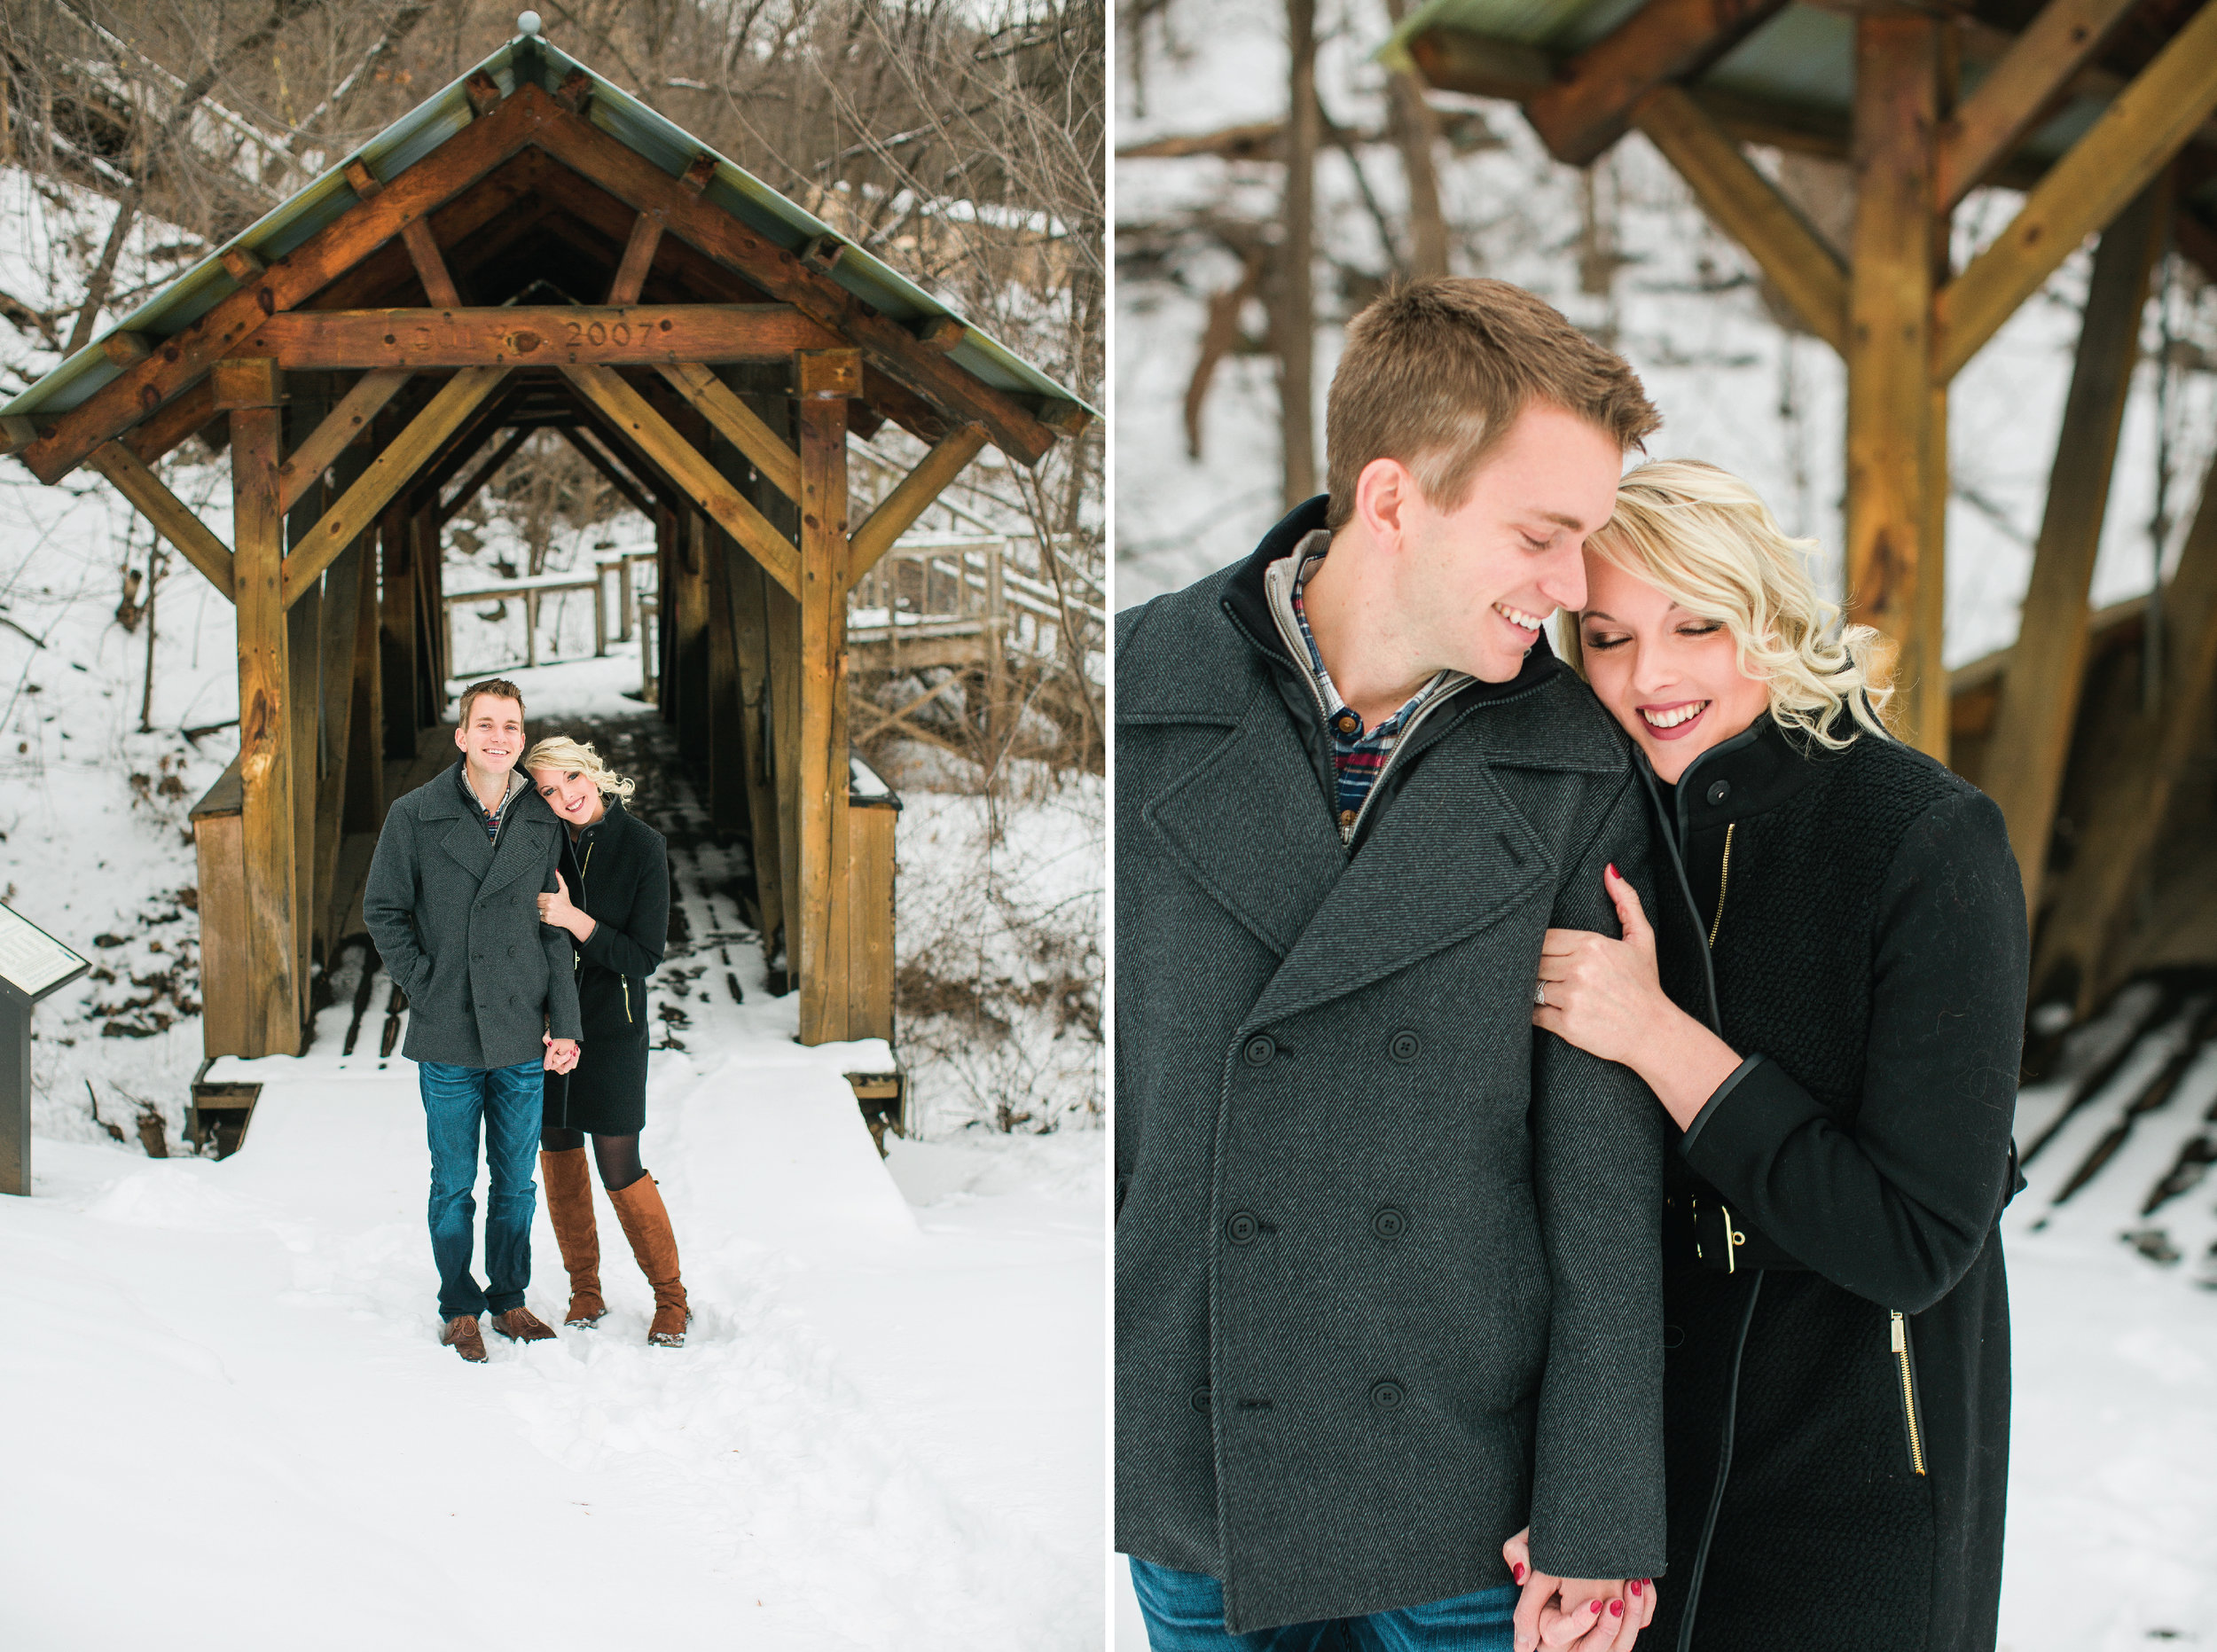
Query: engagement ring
x=1539 y=993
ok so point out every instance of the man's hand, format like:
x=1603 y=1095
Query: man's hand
x=562 y=1053
x=1582 y=1614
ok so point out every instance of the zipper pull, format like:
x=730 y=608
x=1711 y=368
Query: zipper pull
x=1900 y=1333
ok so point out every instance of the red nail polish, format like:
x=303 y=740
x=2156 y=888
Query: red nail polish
x=1614 y=872
x=1635 y=1585
x=1616 y=1608
x=1596 y=1608
x=1518 y=1572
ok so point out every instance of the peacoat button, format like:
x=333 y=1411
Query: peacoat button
x=1200 y=1399
x=1719 y=792
x=1261 y=1049
x=1240 y=1227
x=1403 y=1047
x=1389 y=1223
x=1387 y=1395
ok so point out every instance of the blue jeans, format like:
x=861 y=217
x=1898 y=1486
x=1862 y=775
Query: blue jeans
x=1185 y=1613
x=509 y=1099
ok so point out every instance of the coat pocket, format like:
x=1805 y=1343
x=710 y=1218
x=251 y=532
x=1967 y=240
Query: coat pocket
x=1904 y=1358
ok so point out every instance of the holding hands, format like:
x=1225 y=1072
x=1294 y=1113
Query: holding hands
x=562 y=1053
x=1582 y=1614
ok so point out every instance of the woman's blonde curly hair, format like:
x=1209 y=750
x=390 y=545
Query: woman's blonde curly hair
x=1706 y=540
x=559 y=751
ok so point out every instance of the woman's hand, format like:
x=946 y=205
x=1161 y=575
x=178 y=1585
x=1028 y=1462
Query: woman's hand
x=557 y=910
x=1606 y=997
x=1584 y=1614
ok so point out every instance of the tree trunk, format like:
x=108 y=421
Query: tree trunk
x=1417 y=131
x=1296 y=298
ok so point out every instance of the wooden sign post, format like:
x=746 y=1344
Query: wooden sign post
x=32 y=965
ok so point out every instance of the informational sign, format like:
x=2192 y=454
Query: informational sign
x=31 y=960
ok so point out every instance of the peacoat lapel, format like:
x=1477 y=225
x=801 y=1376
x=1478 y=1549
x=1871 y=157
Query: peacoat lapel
x=521 y=849
x=1248 y=825
x=1447 y=860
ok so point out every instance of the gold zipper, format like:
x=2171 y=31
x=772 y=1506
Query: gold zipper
x=1900 y=1339
x=1724 y=878
x=626 y=980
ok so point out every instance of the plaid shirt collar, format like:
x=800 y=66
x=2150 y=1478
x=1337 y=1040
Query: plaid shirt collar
x=491 y=820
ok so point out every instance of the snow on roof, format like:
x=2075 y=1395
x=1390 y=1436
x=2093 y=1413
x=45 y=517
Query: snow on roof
x=446 y=112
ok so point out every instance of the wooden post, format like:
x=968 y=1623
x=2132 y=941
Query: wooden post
x=363 y=808
x=826 y=379
x=2040 y=692
x=750 y=637
x=1889 y=405
x=687 y=616
x=277 y=1001
x=396 y=636
x=727 y=765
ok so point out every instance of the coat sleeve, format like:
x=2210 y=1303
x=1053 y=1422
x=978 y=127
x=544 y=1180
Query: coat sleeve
x=563 y=1020
x=389 y=903
x=637 y=948
x=1597 y=1176
x=1897 y=1206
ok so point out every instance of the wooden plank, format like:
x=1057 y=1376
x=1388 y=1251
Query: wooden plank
x=346 y=422
x=590 y=452
x=889 y=346
x=726 y=745
x=293 y=280
x=870 y=832
x=538 y=335
x=172 y=518
x=360 y=505
x=1590 y=103
x=277 y=1001
x=396 y=637
x=686 y=611
x=2135 y=137
x=483 y=473
x=783 y=612
x=219 y=852
x=1747 y=206
x=823 y=755
x=2039 y=701
x=750 y=637
x=306 y=407
x=720 y=405
x=431 y=270
x=365 y=805
x=898 y=512
x=187 y=415
x=684 y=465
x=639 y=257
x=1888 y=398
x=2019 y=91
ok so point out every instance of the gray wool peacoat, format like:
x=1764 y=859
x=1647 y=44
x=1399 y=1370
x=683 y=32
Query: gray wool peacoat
x=1388 y=1281
x=456 y=920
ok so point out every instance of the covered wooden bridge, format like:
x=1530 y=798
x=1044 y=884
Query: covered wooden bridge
x=532 y=249
x=2095 y=733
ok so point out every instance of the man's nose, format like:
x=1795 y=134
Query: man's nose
x=1563 y=581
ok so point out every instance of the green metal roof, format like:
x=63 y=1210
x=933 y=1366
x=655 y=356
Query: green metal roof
x=446 y=112
x=1803 y=58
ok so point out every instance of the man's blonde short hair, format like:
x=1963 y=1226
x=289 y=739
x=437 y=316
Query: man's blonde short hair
x=1436 y=371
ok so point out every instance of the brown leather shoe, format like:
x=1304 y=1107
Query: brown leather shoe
x=463 y=1336
x=647 y=1224
x=521 y=1325
x=568 y=1183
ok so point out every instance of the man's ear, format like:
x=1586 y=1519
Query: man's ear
x=1383 y=492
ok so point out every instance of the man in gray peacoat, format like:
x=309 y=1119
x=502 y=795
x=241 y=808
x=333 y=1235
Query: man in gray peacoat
x=452 y=904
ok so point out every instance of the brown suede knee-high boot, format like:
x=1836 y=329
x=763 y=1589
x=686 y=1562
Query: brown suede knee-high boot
x=647 y=1224
x=568 y=1183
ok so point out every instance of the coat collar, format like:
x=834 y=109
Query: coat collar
x=522 y=847
x=1758 y=769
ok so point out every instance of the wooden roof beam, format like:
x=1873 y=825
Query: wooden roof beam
x=293 y=280
x=590 y=451
x=1590 y=104
x=685 y=464
x=739 y=424
x=484 y=473
x=387 y=473
x=339 y=427
x=639 y=257
x=531 y=336
x=2020 y=91
x=910 y=497
x=2135 y=138
x=1749 y=208
x=169 y=514
x=1463 y=60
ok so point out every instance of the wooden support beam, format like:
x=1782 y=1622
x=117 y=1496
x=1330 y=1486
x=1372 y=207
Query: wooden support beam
x=16 y=434
x=686 y=611
x=590 y=452
x=1888 y=402
x=347 y=421
x=445 y=514
x=396 y=636
x=1463 y=60
x=431 y=270
x=484 y=92
x=277 y=992
x=2039 y=702
x=126 y=349
x=751 y=639
x=727 y=746
x=1590 y=103
x=2019 y=91
x=172 y=518
x=1747 y=206
x=524 y=335
x=2134 y=138
x=910 y=497
x=684 y=465
x=889 y=346
x=387 y=473
x=639 y=257
x=822 y=958
x=720 y=405
x=298 y=275
x=189 y=414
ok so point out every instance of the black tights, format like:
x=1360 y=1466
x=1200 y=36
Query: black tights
x=616 y=1155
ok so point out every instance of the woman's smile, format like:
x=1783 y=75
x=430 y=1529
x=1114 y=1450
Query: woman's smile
x=1674 y=721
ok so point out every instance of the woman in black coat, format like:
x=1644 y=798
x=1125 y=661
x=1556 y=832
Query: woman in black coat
x=1829 y=1005
x=615 y=902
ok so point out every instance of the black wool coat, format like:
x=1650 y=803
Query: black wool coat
x=1388 y=1281
x=618 y=872
x=456 y=920
x=1870 y=961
